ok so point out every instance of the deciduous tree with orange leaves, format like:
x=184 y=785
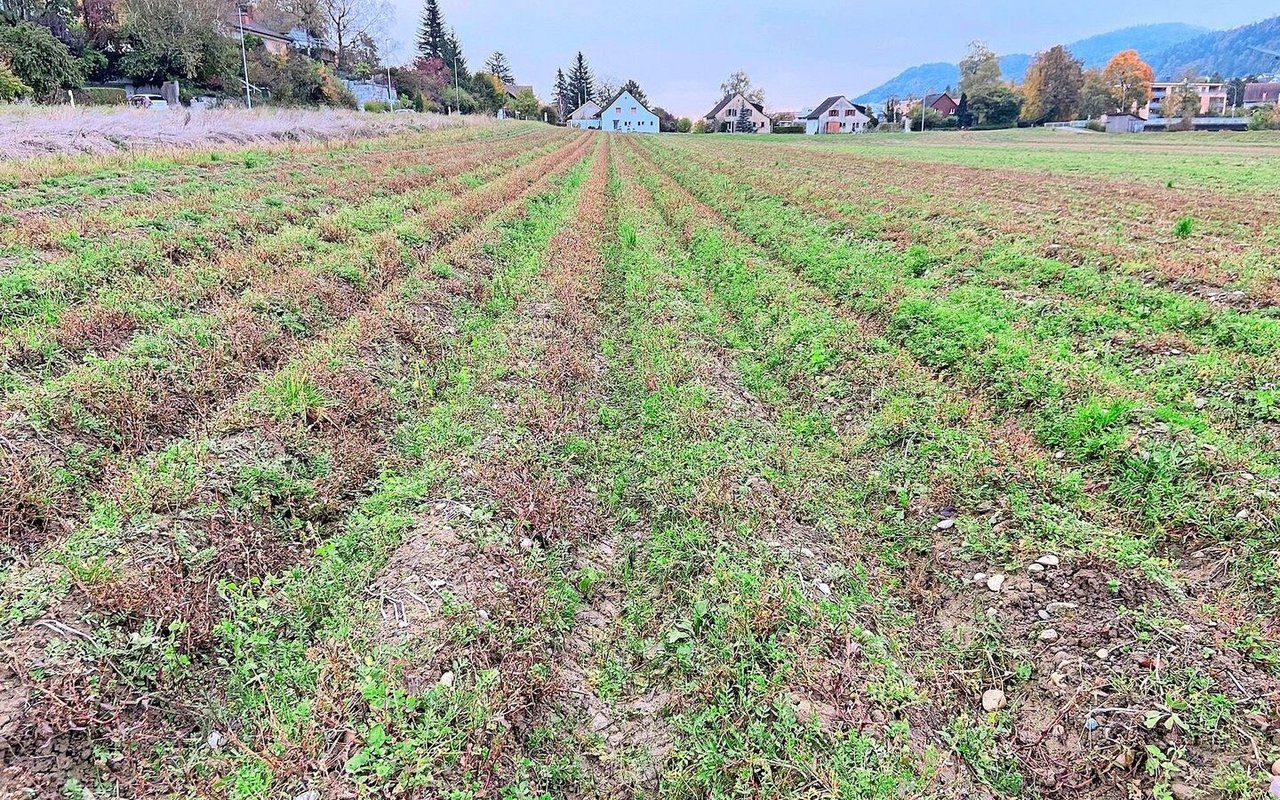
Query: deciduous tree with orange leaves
x=1130 y=79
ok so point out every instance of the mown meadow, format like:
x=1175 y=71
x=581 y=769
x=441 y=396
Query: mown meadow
x=518 y=462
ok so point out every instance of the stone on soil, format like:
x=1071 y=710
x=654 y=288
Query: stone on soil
x=993 y=700
x=995 y=582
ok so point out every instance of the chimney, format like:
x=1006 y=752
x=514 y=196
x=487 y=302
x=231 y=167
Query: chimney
x=246 y=13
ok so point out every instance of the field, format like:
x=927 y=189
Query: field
x=515 y=462
x=27 y=132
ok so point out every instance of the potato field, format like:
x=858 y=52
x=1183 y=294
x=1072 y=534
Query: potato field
x=510 y=461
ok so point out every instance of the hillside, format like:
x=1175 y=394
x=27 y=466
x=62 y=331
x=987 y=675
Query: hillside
x=1223 y=52
x=1149 y=40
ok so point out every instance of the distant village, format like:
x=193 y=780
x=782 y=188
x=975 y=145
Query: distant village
x=162 y=54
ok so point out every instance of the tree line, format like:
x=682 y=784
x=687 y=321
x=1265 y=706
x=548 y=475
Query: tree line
x=51 y=47
x=1056 y=88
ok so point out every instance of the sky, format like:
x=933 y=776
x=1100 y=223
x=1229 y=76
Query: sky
x=799 y=51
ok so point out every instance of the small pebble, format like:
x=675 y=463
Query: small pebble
x=991 y=612
x=1054 y=608
x=526 y=543
x=1048 y=561
x=1035 y=568
x=1103 y=654
x=806 y=552
x=1090 y=724
x=1048 y=635
x=945 y=525
x=310 y=794
x=981 y=577
x=1275 y=769
x=993 y=700
x=995 y=582
x=446 y=680
x=824 y=588
x=216 y=740
x=1042 y=614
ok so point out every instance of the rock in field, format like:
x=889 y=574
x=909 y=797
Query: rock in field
x=993 y=700
x=995 y=582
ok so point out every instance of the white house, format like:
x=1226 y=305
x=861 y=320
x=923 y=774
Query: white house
x=836 y=115
x=625 y=114
x=726 y=116
x=585 y=116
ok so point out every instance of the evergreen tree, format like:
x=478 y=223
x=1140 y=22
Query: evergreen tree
x=498 y=65
x=431 y=36
x=636 y=91
x=963 y=117
x=563 y=96
x=451 y=53
x=744 y=123
x=581 y=84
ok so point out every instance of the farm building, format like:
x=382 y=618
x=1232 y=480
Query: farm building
x=836 y=115
x=586 y=115
x=730 y=113
x=625 y=114
x=1124 y=123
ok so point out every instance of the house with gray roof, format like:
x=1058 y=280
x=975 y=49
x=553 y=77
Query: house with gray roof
x=837 y=115
x=728 y=114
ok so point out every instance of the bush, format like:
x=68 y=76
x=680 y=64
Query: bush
x=101 y=96
x=10 y=87
x=788 y=128
x=1096 y=125
x=376 y=107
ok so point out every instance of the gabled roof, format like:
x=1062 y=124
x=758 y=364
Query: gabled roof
x=586 y=114
x=728 y=98
x=1261 y=92
x=617 y=97
x=514 y=89
x=825 y=106
x=930 y=99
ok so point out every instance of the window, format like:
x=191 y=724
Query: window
x=733 y=112
x=849 y=112
x=833 y=113
x=618 y=110
x=633 y=109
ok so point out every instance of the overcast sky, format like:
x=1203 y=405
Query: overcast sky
x=800 y=51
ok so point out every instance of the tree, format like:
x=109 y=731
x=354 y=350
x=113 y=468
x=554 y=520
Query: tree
x=684 y=125
x=526 y=105
x=453 y=57
x=1053 y=85
x=964 y=117
x=740 y=82
x=489 y=92
x=700 y=126
x=347 y=19
x=1096 y=97
x=431 y=37
x=636 y=91
x=606 y=89
x=666 y=120
x=980 y=69
x=563 y=97
x=165 y=39
x=1130 y=80
x=581 y=83
x=996 y=106
x=498 y=65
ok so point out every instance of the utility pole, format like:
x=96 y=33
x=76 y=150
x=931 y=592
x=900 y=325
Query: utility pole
x=244 y=58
